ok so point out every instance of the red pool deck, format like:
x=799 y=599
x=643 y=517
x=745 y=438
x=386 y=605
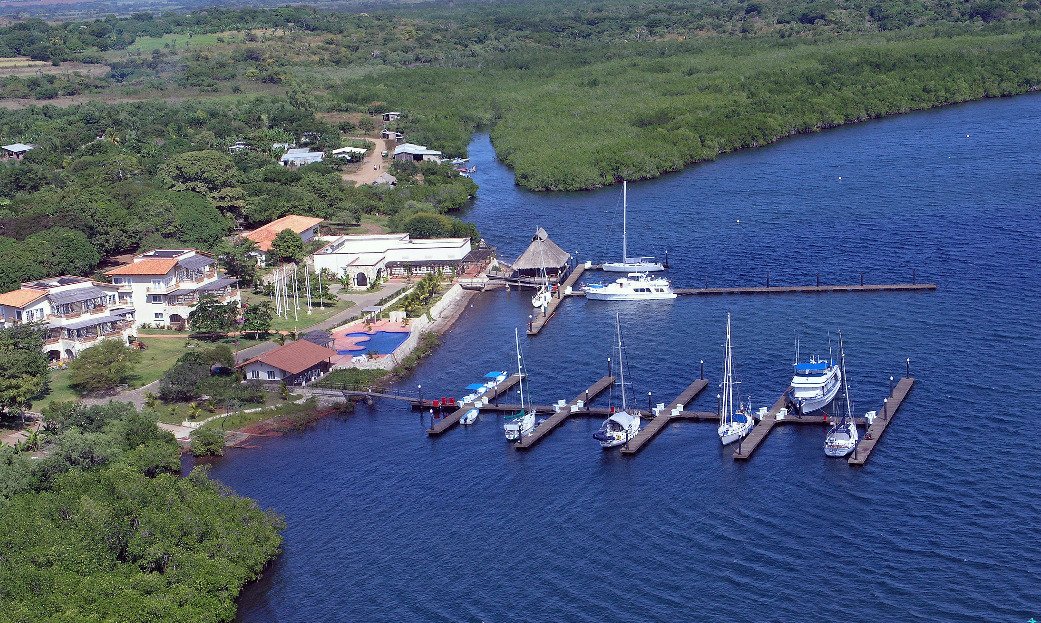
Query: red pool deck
x=342 y=342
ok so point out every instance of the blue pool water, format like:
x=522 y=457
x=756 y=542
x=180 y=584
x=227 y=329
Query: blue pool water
x=387 y=524
x=382 y=342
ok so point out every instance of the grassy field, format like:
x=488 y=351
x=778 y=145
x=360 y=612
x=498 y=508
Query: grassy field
x=145 y=45
x=303 y=320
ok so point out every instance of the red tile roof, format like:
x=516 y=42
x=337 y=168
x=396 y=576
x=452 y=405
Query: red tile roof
x=144 y=267
x=263 y=236
x=20 y=297
x=294 y=357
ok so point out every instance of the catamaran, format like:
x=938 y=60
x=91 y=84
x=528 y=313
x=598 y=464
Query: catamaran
x=622 y=425
x=522 y=423
x=815 y=384
x=733 y=425
x=633 y=287
x=842 y=436
x=631 y=264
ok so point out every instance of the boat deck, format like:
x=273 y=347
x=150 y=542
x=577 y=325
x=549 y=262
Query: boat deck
x=453 y=418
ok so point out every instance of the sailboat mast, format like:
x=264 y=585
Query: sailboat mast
x=520 y=373
x=621 y=361
x=848 y=413
x=625 y=234
x=728 y=381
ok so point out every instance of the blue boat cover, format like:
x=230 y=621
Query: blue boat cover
x=820 y=365
x=475 y=386
x=493 y=374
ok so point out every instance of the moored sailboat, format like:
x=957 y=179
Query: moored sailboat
x=843 y=436
x=631 y=264
x=521 y=423
x=621 y=426
x=733 y=424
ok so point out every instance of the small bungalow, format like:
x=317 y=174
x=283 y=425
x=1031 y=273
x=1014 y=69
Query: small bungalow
x=391 y=116
x=391 y=135
x=296 y=363
x=15 y=151
x=416 y=153
x=301 y=157
x=542 y=253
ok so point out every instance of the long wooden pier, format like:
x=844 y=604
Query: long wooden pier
x=881 y=421
x=544 y=316
x=760 y=431
x=664 y=416
x=572 y=408
x=453 y=418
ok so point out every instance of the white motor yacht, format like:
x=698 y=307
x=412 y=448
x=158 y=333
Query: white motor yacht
x=815 y=384
x=633 y=287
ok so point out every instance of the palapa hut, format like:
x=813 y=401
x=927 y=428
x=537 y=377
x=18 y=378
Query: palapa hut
x=542 y=252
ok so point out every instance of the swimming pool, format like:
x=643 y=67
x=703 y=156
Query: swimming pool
x=382 y=342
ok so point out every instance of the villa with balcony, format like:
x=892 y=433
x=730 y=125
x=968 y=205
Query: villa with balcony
x=165 y=285
x=77 y=311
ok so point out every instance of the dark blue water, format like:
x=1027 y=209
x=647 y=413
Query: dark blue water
x=382 y=342
x=386 y=524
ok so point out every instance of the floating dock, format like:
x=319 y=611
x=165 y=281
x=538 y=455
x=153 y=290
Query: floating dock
x=453 y=418
x=881 y=421
x=543 y=316
x=575 y=407
x=665 y=416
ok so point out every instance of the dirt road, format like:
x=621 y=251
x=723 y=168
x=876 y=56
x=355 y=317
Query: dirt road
x=372 y=167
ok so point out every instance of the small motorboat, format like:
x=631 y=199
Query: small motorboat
x=469 y=417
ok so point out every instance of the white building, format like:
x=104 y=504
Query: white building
x=351 y=153
x=367 y=257
x=165 y=285
x=296 y=363
x=416 y=153
x=300 y=157
x=304 y=226
x=78 y=312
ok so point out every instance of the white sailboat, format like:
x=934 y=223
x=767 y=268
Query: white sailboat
x=815 y=384
x=733 y=425
x=622 y=425
x=630 y=264
x=522 y=423
x=544 y=292
x=842 y=436
x=633 y=287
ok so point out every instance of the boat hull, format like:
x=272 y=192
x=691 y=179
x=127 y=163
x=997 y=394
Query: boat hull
x=731 y=433
x=593 y=295
x=632 y=267
x=808 y=398
x=469 y=417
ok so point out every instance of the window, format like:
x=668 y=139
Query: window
x=158 y=315
x=271 y=375
x=157 y=298
x=254 y=374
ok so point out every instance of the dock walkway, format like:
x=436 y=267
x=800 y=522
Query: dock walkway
x=747 y=446
x=664 y=416
x=867 y=443
x=544 y=316
x=453 y=418
x=572 y=408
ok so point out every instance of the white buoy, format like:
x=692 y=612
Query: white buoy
x=738 y=220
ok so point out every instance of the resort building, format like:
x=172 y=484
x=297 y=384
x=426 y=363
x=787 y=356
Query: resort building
x=15 y=151
x=296 y=363
x=368 y=257
x=304 y=226
x=164 y=285
x=77 y=311
x=416 y=153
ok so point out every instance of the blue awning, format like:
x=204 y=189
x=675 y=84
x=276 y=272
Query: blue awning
x=475 y=386
x=820 y=365
x=494 y=374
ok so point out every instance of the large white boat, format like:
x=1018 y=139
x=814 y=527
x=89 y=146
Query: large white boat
x=815 y=384
x=733 y=424
x=522 y=423
x=631 y=264
x=633 y=287
x=622 y=425
x=842 y=436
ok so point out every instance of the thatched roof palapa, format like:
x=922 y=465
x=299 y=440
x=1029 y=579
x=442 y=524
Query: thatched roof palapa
x=542 y=252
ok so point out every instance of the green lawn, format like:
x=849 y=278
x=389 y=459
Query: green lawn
x=145 y=45
x=302 y=320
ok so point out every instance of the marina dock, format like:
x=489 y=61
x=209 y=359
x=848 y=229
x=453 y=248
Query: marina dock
x=572 y=408
x=453 y=418
x=664 y=416
x=881 y=421
x=761 y=430
x=543 y=316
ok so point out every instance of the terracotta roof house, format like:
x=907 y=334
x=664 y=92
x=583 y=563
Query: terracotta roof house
x=305 y=226
x=296 y=363
x=77 y=312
